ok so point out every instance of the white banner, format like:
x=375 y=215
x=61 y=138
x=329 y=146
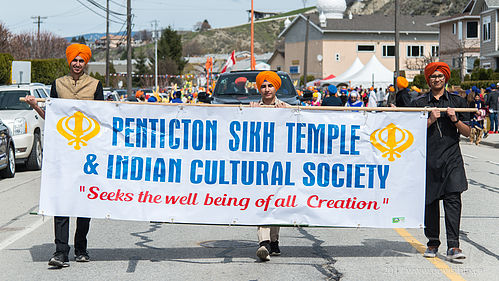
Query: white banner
x=231 y=165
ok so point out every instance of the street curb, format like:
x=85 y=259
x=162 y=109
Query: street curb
x=483 y=142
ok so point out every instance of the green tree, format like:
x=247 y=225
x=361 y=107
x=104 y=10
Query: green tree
x=99 y=77
x=142 y=69
x=82 y=40
x=5 y=68
x=419 y=81
x=309 y=78
x=455 y=77
x=170 y=47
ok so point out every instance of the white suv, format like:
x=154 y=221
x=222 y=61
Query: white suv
x=24 y=123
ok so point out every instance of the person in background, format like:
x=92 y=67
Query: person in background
x=402 y=98
x=268 y=83
x=343 y=96
x=315 y=101
x=80 y=86
x=177 y=97
x=372 y=101
x=390 y=96
x=354 y=101
x=445 y=174
x=493 y=103
x=332 y=99
x=380 y=97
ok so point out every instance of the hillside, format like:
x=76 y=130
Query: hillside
x=409 y=7
x=224 y=40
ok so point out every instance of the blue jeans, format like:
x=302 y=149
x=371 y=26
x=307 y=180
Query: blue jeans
x=493 y=122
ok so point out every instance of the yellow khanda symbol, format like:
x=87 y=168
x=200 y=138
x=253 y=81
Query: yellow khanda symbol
x=78 y=135
x=391 y=145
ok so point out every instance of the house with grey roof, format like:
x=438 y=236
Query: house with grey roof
x=336 y=40
x=488 y=11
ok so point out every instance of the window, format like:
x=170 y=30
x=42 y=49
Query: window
x=388 y=51
x=486 y=29
x=472 y=29
x=337 y=57
x=365 y=48
x=454 y=28
x=470 y=61
x=434 y=51
x=460 y=30
x=295 y=69
x=415 y=51
x=279 y=68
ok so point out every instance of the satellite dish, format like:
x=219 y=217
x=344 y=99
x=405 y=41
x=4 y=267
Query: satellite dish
x=319 y=57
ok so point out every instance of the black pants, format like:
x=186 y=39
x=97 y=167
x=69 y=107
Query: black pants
x=61 y=228
x=452 y=209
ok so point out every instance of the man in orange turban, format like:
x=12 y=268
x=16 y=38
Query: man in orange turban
x=268 y=83
x=441 y=67
x=402 y=98
x=75 y=50
x=445 y=174
x=77 y=85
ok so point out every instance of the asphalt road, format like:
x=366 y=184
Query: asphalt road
x=124 y=250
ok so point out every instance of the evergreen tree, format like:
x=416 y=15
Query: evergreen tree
x=170 y=47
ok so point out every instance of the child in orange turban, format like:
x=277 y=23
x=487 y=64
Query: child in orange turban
x=269 y=76
x=74 y=50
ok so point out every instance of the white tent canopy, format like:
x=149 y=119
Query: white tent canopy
x=355 y=67
x=373 y=72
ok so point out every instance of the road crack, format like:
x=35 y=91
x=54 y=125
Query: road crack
x=328 y=268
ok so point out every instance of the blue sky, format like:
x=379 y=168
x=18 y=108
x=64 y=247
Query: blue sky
x=70 y=17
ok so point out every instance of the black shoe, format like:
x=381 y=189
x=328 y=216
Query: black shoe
x=58 y=260
x=274 y=248
x=83 y=257
x=263 y=251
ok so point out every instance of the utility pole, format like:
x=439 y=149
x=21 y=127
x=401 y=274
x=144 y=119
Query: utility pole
x=397 y=43
x=107 y=44
x=155 y=37
x=38 y=22
x=129 y=47
x=252 y=62
x=305 y=56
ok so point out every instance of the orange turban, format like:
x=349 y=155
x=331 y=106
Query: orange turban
x=241 y=80
x=269 y=76
x=74 y=50
x=434 y=66
x=402 y=83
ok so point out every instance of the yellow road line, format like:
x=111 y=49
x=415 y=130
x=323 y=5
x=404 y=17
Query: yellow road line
x=438 y=263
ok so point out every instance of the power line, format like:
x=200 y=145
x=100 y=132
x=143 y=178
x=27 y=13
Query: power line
x=96 y=4
x=96 y=12
x=121 y=5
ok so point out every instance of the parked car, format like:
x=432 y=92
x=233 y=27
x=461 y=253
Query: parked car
x=7 y=152
x=24 y=123
x=226 y=92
